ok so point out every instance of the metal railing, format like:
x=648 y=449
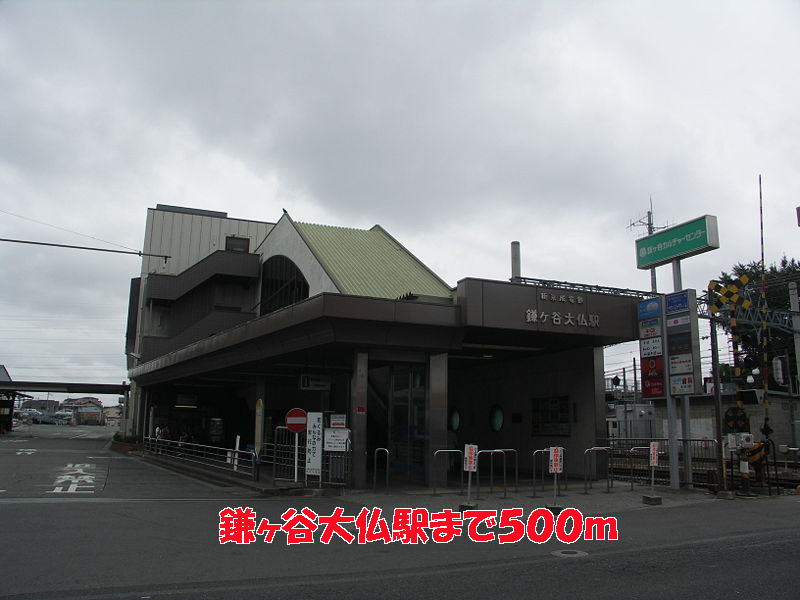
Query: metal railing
x=697 y=459
x=460 y=470
x=241 y=462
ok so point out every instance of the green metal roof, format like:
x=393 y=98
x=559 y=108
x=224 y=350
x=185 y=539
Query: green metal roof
x=370 y=262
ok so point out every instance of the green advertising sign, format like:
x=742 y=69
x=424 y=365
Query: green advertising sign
x=681 y=241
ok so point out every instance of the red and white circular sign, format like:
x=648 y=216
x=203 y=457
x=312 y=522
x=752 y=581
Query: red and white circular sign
x=296 y=420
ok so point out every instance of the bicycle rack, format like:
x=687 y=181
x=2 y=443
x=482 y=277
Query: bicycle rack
x=586 y=454
x=516 y=466
x=491 y=473
x=535 y=452
x=632 y=450
x=375 y=468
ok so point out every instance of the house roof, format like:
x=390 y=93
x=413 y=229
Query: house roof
x=370 y=262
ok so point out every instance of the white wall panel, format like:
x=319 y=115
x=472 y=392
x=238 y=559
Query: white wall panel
x=284 y=240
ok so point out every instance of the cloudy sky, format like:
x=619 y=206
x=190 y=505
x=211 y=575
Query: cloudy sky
x=458 y=126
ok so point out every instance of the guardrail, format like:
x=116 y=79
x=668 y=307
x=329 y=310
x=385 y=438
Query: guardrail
x=460 y=469
x=241 y=462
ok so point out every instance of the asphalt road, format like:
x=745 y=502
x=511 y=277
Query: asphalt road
x=131 y=529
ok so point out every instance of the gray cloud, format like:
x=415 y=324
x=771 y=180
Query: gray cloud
x=457 y=126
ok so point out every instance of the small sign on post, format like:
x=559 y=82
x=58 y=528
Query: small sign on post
x=652 y=498
x=470 y=466
x=470 y=458
x=314 y=445
x=296 y=421
x=653 y=454
x=556 y=460
x=556 y=467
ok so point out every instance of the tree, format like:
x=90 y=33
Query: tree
x=780 y=343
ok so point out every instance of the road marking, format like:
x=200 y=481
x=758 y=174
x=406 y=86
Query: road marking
x=75 y=476
x=27 y=451
x=77 y=436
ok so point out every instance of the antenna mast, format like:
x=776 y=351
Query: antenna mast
x=647 y=221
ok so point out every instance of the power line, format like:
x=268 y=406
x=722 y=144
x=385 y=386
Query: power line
x=64 y=229
x=136 y=252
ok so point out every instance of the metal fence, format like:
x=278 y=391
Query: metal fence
x=285 y=460
x=239 y=462
x=697 y=459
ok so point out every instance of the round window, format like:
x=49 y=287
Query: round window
x=496 y=418
x=455 y=420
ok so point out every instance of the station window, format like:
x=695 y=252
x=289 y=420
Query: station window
x=237 y=244
x=496 y=418
x=551 y=416
x=454 y=421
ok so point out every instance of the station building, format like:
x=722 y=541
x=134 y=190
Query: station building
x=242 y=312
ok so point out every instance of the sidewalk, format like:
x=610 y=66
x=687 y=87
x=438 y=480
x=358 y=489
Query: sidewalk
x=596 y=502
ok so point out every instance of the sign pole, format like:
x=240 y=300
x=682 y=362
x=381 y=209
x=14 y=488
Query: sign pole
x=555 y=488
x=296 y=454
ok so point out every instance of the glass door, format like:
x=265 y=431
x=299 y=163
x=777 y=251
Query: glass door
x=407 y=431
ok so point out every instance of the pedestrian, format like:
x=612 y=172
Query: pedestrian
x=766 y=429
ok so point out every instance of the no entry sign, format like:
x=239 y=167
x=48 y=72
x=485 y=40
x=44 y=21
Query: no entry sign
x=296 y=420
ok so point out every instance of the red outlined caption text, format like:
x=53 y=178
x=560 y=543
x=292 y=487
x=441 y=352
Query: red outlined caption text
x=414 y=526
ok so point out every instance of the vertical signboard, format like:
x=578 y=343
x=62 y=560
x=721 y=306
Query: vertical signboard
x=471 y=458
x=683 y=343
x=653 y=454
x=556 y=459
x=651 y=347
x=314 y=444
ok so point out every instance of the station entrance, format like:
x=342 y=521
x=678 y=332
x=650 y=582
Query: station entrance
x=397 y=418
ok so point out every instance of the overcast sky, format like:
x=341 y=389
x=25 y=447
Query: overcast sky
x=458 y=126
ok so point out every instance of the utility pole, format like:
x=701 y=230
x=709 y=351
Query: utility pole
x=721 y=480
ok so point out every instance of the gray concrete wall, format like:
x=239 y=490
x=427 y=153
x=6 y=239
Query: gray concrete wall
x=189 y=238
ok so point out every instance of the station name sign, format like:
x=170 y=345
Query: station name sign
x=684 y=240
